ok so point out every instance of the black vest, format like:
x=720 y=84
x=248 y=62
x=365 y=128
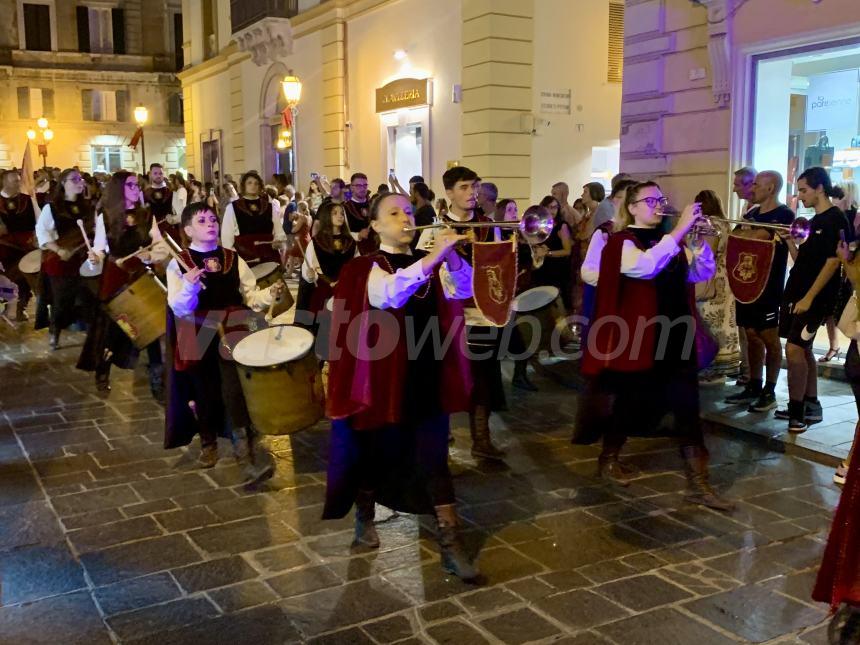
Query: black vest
x=252 y=217
x=221 y=279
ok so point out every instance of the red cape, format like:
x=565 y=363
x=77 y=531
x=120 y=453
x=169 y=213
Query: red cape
x=368 y=388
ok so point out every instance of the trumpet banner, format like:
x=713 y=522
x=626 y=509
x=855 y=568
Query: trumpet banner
x=748 y=263
x=494 y=279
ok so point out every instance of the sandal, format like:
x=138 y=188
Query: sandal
x=832 y=353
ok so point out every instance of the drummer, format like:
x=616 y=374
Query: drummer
x=251 y=219
x=17 y=234
x=327 y=252
x=211 y=379
x=123 y=246
x=60 y=237
x=158 y=197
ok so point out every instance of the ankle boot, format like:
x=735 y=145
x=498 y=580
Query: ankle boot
x=208 y=455
x=156 y=381
x=610 y=468
x=103 y=377
x=365 y=512
x=258 y=464
x=54 y=341
x=521 y=377
x=454 y=559
x=482 y=445
x=699 y=491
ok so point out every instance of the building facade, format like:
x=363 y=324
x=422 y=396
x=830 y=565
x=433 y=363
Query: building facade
x=714 y=85
x=85 y=66
x=526 y=92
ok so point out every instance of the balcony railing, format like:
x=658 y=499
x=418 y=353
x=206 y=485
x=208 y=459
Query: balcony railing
x=244 y=13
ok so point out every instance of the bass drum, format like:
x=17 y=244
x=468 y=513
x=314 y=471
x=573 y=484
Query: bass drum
x=281 y=379
x=30 y=266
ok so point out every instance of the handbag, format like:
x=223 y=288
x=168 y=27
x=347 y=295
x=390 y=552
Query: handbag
x=848 y=323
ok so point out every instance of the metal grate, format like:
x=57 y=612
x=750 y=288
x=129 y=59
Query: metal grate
x=616 y=42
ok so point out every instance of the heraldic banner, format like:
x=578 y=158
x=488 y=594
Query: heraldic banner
x=748 y=263
x=494 y=279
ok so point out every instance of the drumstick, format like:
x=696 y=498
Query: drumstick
x=171 y=248
x=142 y=249
x=261 y=242
x=84 y=233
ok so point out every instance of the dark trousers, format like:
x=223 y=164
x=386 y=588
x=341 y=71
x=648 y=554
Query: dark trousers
x=214 y=380
x=485 y=348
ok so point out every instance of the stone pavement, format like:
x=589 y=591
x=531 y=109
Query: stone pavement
x=105 y=537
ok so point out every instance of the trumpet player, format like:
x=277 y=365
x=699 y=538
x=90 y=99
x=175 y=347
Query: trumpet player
x=810 y=292
x=760 y=319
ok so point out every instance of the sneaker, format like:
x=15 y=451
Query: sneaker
x=840 y=475
x=813 y=412
x=744 y=396
x=742 y=381
x=782 y=414
x=797 y=426
x=766 y=401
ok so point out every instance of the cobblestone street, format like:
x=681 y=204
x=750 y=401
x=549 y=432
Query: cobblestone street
x=105 y=537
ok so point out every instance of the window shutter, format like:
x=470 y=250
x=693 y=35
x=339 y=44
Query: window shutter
x=122 y=105
x=118 y=20
x=23 y=102
x=616 y=42
x=83 y=16
x=48 y=103
x=87 y=105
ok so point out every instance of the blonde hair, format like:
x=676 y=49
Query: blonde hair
x=851 y=193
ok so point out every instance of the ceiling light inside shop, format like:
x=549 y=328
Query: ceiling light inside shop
x=400 y=54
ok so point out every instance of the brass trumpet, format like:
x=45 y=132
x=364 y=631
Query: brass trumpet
x=706 y=227
x=534 y=227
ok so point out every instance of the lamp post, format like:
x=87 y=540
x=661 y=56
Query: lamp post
x=46 y=135
x=292 y=88
x=141 y=114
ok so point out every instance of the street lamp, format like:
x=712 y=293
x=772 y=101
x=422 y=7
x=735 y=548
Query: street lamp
x=292 y=88
x=46 y=135
x=141 y=114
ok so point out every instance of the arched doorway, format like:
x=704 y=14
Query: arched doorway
x=271 y=110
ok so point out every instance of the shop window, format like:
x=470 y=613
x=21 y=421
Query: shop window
x=106 y=158
x=807 y=114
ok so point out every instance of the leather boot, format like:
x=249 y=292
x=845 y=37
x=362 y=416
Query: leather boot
x=699 y=491
x=208 y=455
x=454 y=559
x=611 y=469
x=54 y=341
x=103 y=377
x=521 y=376
x=482 y=445
x=365 y=511
x=258 y=465
x=156 y=381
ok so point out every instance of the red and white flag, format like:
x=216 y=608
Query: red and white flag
x=138 y=134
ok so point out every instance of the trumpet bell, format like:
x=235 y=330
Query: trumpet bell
x=799 y=229
x=536 y=227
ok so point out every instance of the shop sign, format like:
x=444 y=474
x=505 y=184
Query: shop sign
x=832 y=103
x=555 y=101
x=403 y=93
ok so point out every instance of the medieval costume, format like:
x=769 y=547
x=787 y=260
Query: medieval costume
x=18 y=237
x=251 y=226
x=390 y=409
x=357 y=221
x=325 y=256
x=645 y=384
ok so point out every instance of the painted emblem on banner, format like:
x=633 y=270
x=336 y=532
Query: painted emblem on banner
x=494 y=280
x=748 y=264
x=212 y=265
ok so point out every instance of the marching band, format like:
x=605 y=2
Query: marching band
x=395 y=330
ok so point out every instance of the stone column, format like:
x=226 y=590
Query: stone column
x=237 y=121
x=334 y=90
x=497 y=91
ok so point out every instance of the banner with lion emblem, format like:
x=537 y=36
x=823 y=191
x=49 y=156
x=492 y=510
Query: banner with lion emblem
x=748 y=263
x=494 y=279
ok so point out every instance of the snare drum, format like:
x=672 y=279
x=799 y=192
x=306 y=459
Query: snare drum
x=140 y=310
x=90 y=274
x=536 y=313
x=281 y=379
x=29 y=266
x=266 y=274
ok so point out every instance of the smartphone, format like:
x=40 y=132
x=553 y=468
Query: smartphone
x=315 y=176
x=391 y=172
x=842 y=235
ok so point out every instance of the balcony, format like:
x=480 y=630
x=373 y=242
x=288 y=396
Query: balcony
x=244 y=13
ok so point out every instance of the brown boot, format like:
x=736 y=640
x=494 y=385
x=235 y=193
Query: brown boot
x=365 y=512
x=699 y=491
x=208 y=455
x=482 y=445
x=258 y=464
x=454 y=559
